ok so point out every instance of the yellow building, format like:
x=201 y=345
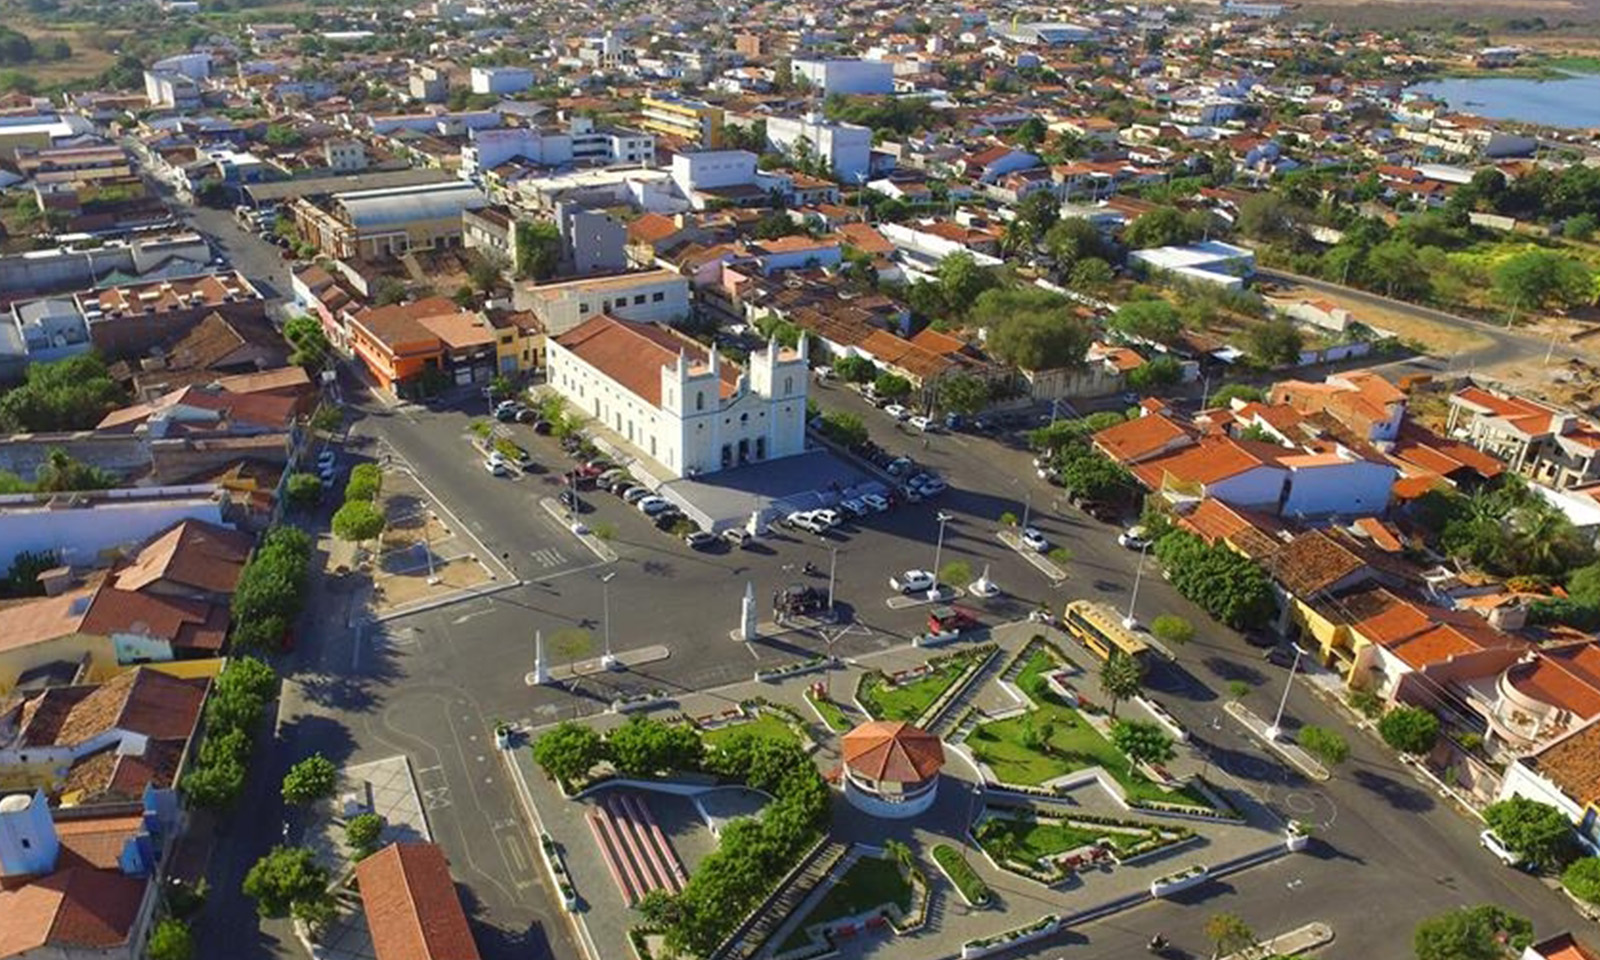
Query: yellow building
x=519 y=342
x=693 y=120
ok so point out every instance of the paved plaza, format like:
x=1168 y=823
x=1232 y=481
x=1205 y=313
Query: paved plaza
x=963 y=796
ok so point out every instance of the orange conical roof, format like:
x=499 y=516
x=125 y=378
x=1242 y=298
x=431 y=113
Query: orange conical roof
x=893 y=751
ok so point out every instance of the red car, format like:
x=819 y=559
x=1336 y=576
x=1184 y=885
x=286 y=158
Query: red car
x=948 y=619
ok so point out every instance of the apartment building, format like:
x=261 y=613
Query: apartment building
x=693 y=120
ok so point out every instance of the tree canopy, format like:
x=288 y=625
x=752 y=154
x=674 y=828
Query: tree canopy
x=61 y=395
x=1229 y=586
x=1482 y=932
x=1154 y=320
x=285 y=878
x=310 y=780
x=1410 y=730
x=1539 y=832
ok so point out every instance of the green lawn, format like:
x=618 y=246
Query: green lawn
x=1031 y=680
x=767 y=725
x=870 y=882
x=1037 y=839
x=832 y=713
x=1074 y=745
x=907 y=702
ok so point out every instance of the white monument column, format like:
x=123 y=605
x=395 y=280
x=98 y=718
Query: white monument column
x=747 y=613
x=541 y=670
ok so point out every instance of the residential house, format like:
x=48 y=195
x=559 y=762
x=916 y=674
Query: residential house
x=411 y=906
x=423 y=345
x=1547 y=445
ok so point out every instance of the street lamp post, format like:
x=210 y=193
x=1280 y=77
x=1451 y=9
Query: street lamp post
x=1027 y=508
x=1130 y=621
x=608 y=660
x=1276 y=730
x=938 y=549
x=833 y=566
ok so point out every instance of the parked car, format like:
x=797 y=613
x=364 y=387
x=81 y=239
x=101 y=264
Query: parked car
x=933 y=487
x=542 y=427
x=326 y=459
x=699 y=539
x=667 y=519
x=636 y=494
x=572 y=501
x=1492 y=843
x=953 y=421
x=874 y=502
x=527 y=415
x=497 y=468
x=1279 y=655
x=829 y=517
x=897 y=411
x=1034 y=540
x=1134 y=538
x=808 y=521
x=652 y=505
x=912 y=581
x=925 y=424
x=738 y=536
x=899 y=466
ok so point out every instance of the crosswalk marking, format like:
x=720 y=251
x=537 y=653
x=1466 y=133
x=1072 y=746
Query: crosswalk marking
x=549 y=557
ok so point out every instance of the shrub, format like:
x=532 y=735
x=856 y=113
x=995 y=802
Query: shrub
x=1410 y=730
x=310 y=780
x=1325 y=744
x=362 y=832
x=1581 y=878
x=366 y=480
x=1172 y=629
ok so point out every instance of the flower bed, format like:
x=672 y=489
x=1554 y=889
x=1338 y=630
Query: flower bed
x=792 y=669
x=1054 y=848
x=558 y=872
x=722 y=718
x=1182 y=880
x=960 y=874
x=983 y=946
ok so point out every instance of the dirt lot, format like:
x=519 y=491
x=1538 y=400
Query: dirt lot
x=1441 y=339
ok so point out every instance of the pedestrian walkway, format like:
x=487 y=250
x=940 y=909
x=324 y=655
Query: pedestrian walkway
x=1303 y=761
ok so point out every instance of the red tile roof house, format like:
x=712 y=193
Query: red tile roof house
x=1547 y=445
x=1566 y=775
x=412 y=909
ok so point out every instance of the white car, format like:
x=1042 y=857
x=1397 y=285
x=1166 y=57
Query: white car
x=1134 y=538
x=912 y=581
x=497 y=468
x=635 y=494
x=829 y=517
x=809 y=521
x=1496 y=846
x=924 y=424
x=932 y=487
x=1034 y=540
x=652 y=505
x=897 y=411
x=874 y=502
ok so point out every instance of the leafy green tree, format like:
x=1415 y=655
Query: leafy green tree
x=282 y=135
x=1410 y=730
x=1121 y=678
x=1539 y=832
x=304 y=488
x=963 y=393
x=366 y=481
x=962 y=281
x=284 y=877
x=1542 y=279
x=170 y=940
x=891 y=386
x=844 y=428
x=71 y=394
x=310 y=343
x=1073 y=240
x=486 y=272
x=1091 y=275
x=1171 y=628
x=61 y=473
x=310 y=780
x=1229 y=586
x=854 y=369
x=1040 y=340
x=645 y=747
x=1154 y=320
x=1582 y=879
x=569 y=751
x=1091 y=476
x=1154 y=375
x=1394 y=266
x=1229 y=933
x=357 y=521
x=1141 y=742
x=1482 y=932
x=1163 y=227
x=1266 y=216
x=1235 y=391
x=1323 y=743
x=1276 y=342
x=1580 y=227
x=22 y=580
x=214 y=786
x=361 y=833
x=538 y=249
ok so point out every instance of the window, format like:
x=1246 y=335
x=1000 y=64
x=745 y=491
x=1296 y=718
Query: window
x=657 y=297
x=638 y=299
x=699 y=400
x=27 y=844
x=788 y=385
x=583 y=308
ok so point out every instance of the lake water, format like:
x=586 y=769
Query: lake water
x=1574 y=102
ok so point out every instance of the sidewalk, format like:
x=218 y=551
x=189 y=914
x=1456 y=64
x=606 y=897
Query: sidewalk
x=1302 y=761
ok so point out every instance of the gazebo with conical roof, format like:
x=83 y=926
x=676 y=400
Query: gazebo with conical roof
x=891 y=769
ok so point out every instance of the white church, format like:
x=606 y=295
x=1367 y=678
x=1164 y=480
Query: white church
x=684 y=406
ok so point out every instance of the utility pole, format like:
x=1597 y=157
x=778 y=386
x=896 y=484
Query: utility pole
x=933 y=591
x=1276 y=730
x=608 y=661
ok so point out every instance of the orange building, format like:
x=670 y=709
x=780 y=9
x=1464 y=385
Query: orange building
x=406 y=345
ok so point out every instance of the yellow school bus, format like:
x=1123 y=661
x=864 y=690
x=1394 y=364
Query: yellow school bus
x=1099 y=628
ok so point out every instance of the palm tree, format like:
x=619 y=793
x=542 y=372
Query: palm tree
x=1120 y=679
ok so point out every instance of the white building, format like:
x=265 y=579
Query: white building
x=501 y=80
x=684 y=407
x=345 y=156
x=648 y=296
x=1212 y=261
x=580 y=142
x=845 y=147
x=841 y=75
